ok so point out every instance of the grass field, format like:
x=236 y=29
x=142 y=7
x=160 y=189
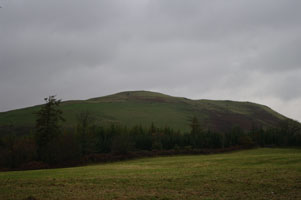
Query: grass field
x=249 y=174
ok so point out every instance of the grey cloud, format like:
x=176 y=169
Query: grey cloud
x=239 y=50
x=280 y=57
x=206 y=20
x=287 y=87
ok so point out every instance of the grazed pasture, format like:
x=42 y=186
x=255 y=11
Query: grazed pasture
x=250 y=174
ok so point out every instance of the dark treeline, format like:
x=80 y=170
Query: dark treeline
x=50 y=146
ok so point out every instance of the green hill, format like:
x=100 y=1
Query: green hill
x=143 y=107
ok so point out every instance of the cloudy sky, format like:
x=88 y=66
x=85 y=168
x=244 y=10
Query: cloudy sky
x=246 y=50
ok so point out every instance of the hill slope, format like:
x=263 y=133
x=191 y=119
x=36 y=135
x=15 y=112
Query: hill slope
x=143 y=107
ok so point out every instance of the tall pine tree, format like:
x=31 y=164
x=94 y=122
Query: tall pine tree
x=48 y=127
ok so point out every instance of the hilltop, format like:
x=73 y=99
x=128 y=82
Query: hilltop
x=143 y=108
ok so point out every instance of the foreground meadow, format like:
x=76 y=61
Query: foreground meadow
x=250 y=174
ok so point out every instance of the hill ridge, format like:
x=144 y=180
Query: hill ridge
x=144 y=107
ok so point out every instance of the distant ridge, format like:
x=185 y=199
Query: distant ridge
x=144 y=107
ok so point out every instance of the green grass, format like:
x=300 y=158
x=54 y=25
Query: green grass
x=143 y=108
x=251 y=174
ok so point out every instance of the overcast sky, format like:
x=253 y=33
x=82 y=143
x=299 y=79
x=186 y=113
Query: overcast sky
x=246 y=50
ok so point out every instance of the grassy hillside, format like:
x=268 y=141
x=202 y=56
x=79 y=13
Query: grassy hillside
x=142 y=107
x=252 y=174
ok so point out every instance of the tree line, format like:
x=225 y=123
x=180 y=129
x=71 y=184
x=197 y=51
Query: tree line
x=51 y=145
